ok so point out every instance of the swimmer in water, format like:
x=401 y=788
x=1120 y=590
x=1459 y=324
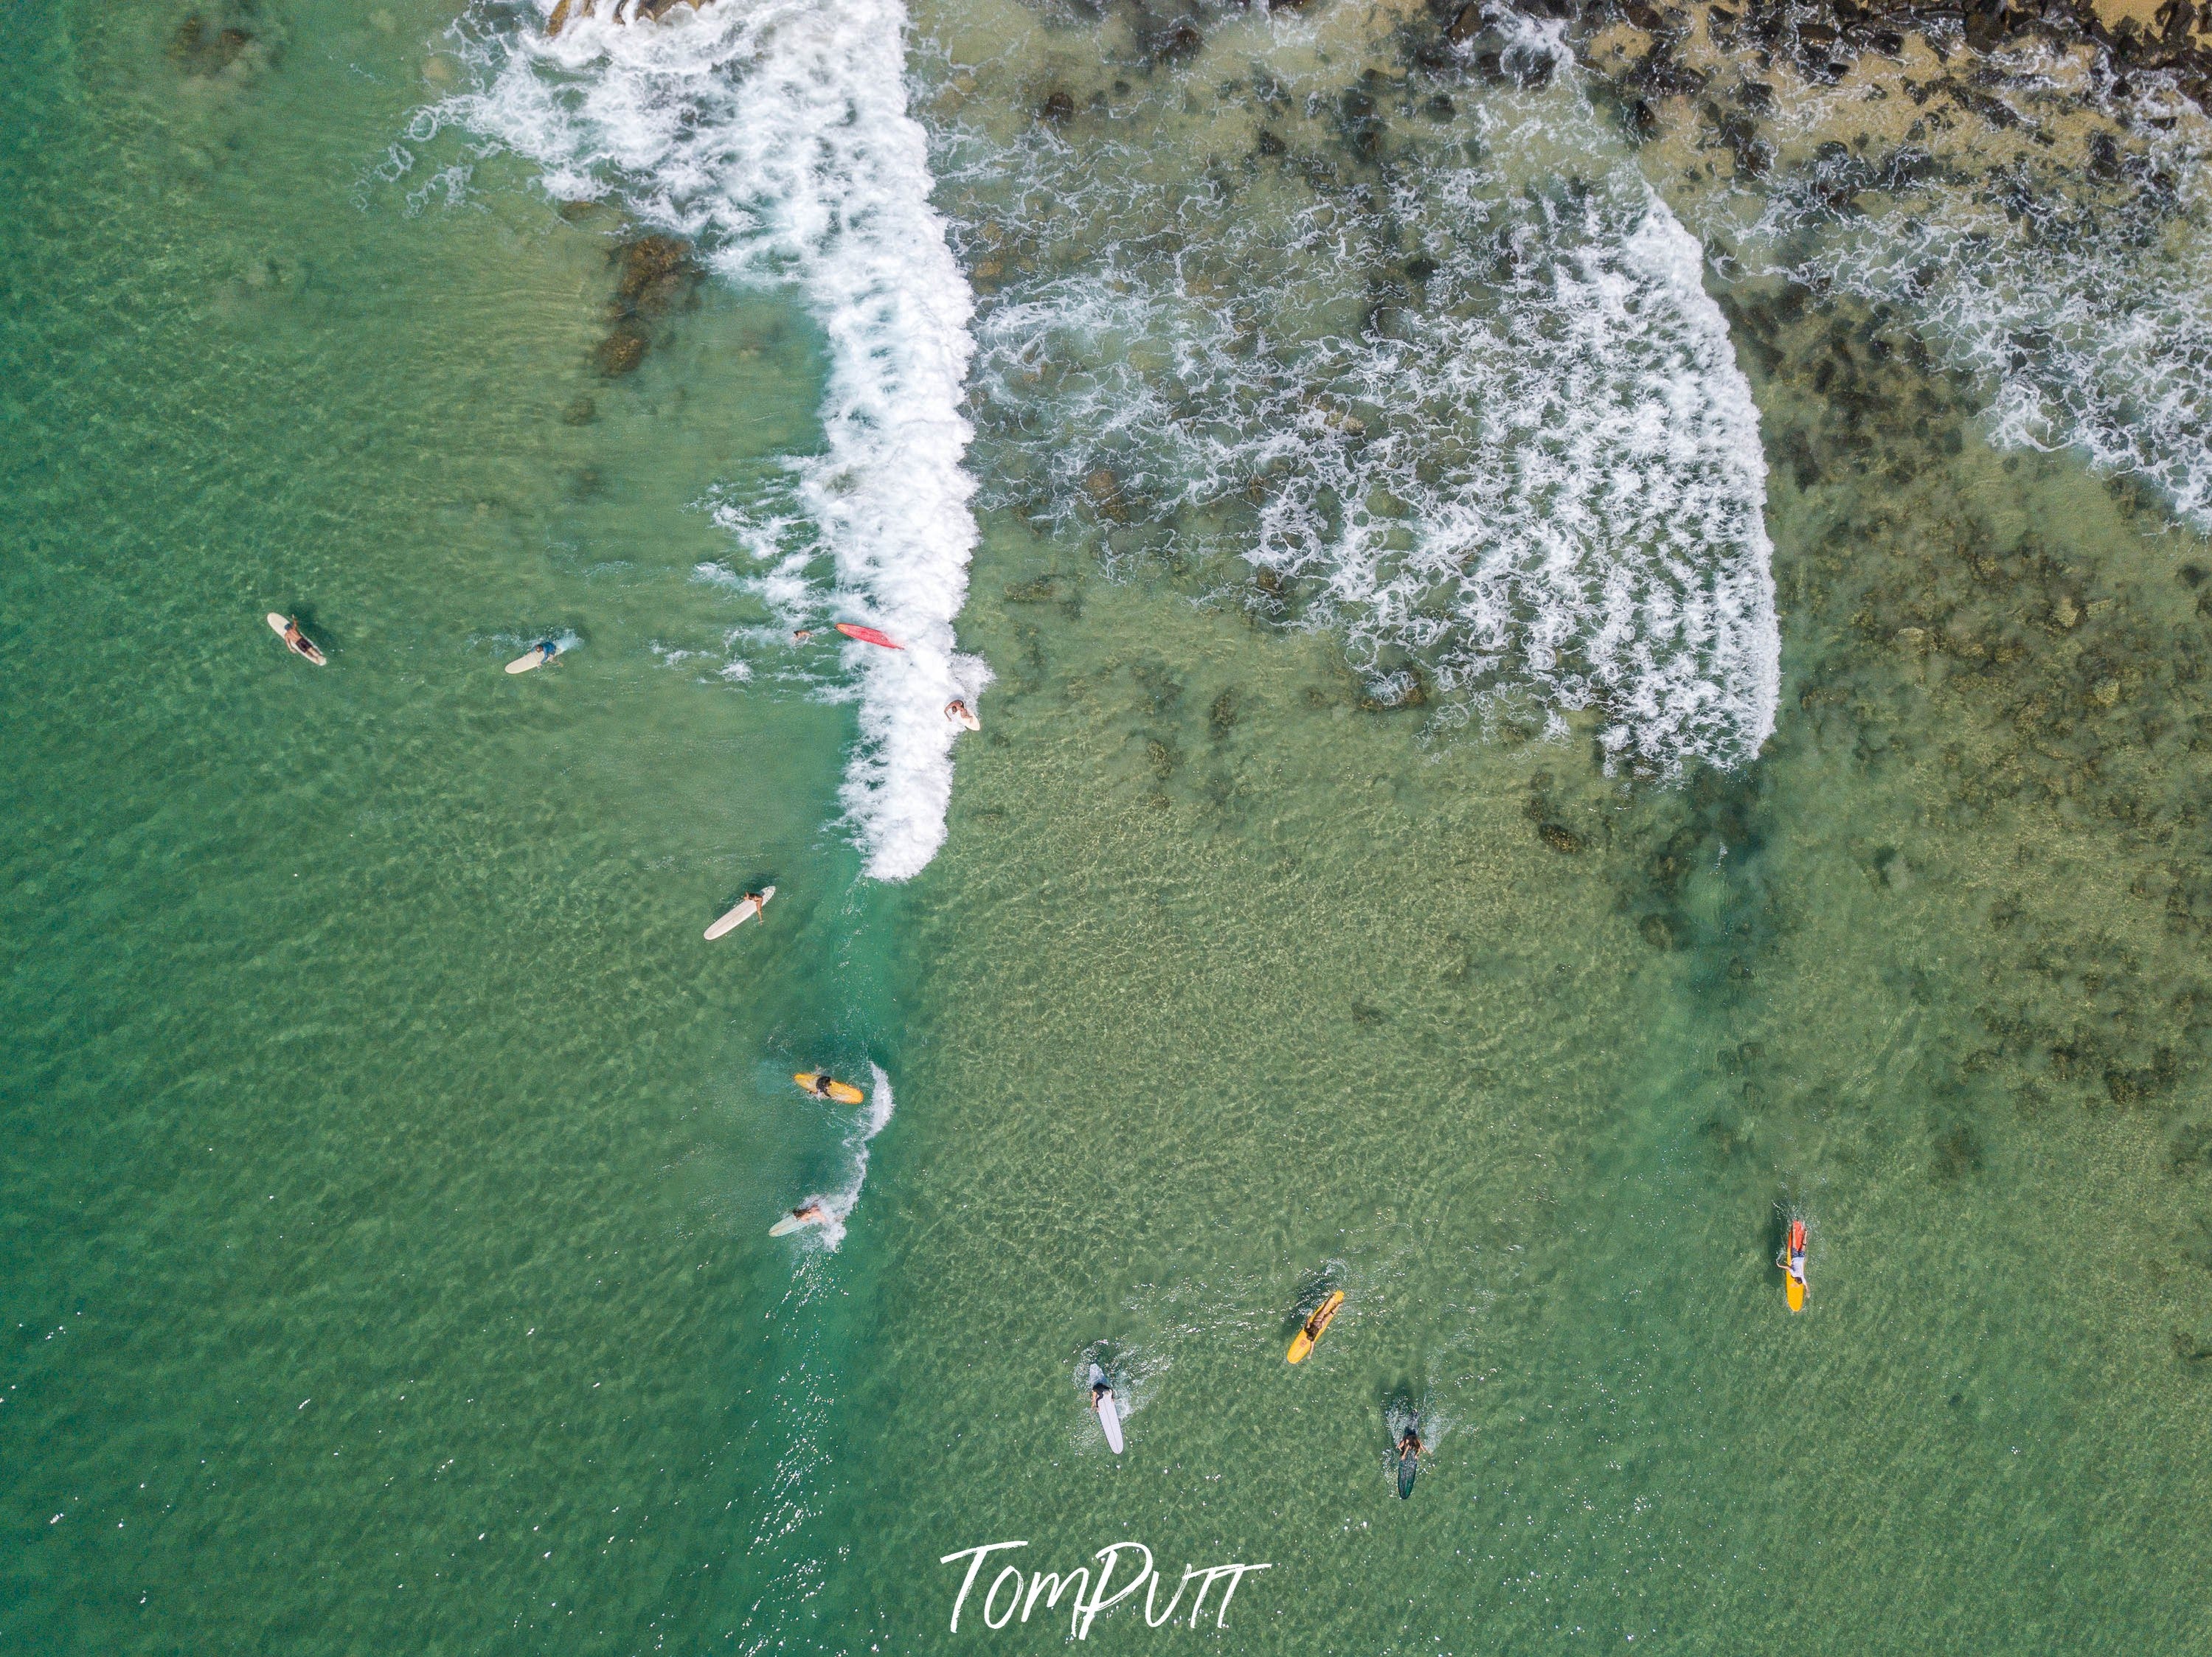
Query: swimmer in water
x=802 y=635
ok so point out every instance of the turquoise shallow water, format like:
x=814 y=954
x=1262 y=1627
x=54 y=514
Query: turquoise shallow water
x=387 y=1157
x=388 y=1161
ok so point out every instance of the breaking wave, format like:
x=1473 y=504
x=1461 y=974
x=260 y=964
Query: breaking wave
x=2072 y=278
x=1445 y=379
x=774 y=135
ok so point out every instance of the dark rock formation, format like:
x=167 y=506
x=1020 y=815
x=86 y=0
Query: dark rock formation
x=656 y=274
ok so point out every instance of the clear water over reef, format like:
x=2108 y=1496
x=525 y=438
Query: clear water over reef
x=1575 y=658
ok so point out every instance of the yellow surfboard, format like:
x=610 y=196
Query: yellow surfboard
x=843 y=1092
x=1316 y=1327
x=1793 y=1247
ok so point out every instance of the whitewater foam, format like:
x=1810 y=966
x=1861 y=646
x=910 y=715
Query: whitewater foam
x=872 y=1119
x=2073 y=282
x=1450 y=383
x=774 y=135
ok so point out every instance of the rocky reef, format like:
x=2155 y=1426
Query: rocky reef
x=618 y=11
x=221 y=41
x=655 y=275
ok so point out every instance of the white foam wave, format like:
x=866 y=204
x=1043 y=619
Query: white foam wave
x=2080 y=300
x=1474 y=409
x=872 y=1119
x=775 y=134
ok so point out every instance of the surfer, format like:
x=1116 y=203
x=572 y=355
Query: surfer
x=1792 y=1262
x=959 y=713
x=802 y=635
x=547 y=649
x=821 y=1084
x=1316 y=1325
x=812 y=1214
x=288 y=628
x=1102 y=1401
x=1409 y=1460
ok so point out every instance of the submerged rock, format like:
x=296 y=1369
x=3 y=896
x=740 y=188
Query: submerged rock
x=621 y=351
x=657 y=271
x=655 y=274
x=1559 y=837
x=619 y=11
x=1958 y=1152
x=200 y=48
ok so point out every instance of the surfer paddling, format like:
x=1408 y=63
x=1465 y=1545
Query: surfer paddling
x=822 y=1086
x=962 y=715
x=1791 y=1260
x=536 y=657
x=286 y=628
x=798 y=1219
x=1102 y=1400
x=1316 y=1325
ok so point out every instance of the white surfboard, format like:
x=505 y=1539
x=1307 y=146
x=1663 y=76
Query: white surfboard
x=537 y=657
x=1109 y=1419
x=742 y=913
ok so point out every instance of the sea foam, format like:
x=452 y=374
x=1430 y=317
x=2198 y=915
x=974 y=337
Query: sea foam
x=872 y=1119
x=1445 y=379
x=2079 y=297
x=774 y=135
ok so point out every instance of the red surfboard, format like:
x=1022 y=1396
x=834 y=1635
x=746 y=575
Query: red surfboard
x=868 y=635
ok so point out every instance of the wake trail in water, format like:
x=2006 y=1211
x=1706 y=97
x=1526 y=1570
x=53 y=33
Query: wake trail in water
x=873 y=1117
x=774 y=135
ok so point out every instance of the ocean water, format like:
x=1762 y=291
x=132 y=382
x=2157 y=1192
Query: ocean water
x=1559 y=686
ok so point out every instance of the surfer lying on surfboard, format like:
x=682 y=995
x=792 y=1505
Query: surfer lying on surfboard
x=812 y=1214
x=1407 y=1461
x=1792 y=1262
x=287 y=628
x=962 y=715
x=1102 y=1400
x=1316 y=1325
x=537 y=655
x=822 y=1086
